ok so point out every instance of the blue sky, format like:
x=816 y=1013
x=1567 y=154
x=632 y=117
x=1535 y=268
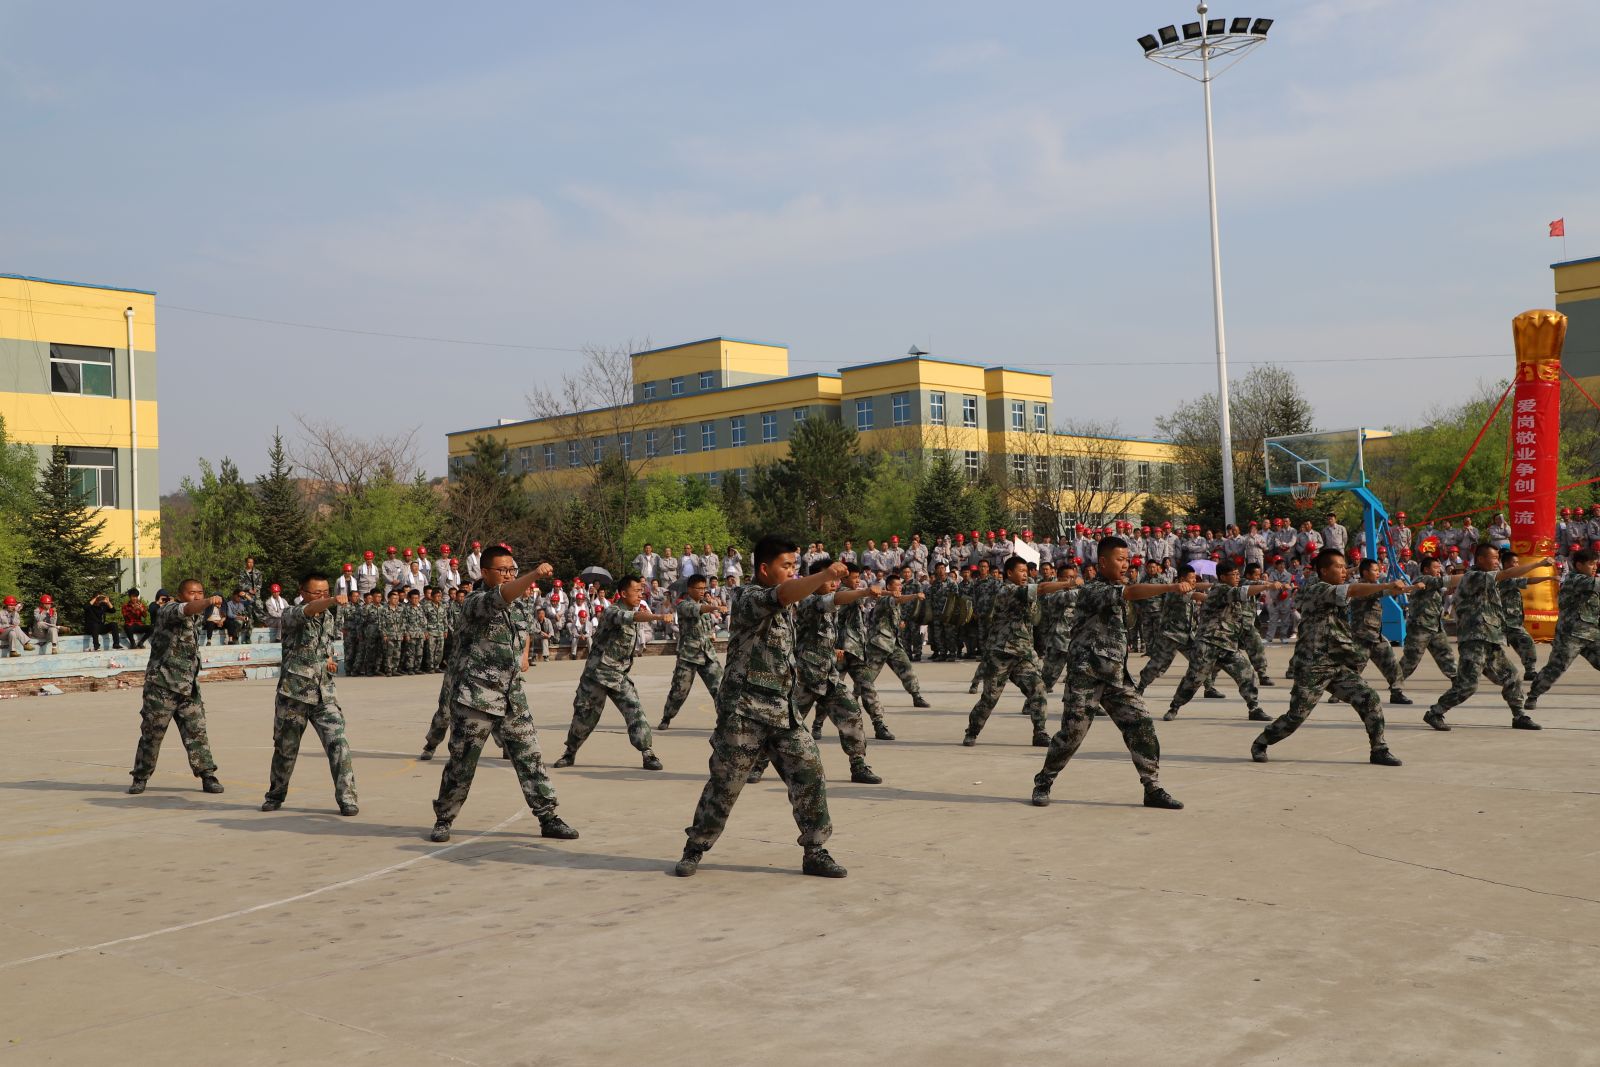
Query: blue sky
x=1011 y=183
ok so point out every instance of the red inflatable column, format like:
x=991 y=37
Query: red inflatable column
x=1535 y=452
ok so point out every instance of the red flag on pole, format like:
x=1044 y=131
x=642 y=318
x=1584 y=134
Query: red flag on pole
x=1558 y=228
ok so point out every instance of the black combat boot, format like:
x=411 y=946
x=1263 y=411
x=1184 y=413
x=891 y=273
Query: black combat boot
x=690 y=861
x=818 y=862
x=861 y=774
x=552 y=825
x=209 y=783
x=1156 y=797
x=1383 y=758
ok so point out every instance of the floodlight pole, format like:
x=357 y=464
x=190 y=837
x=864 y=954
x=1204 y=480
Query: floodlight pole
x=1225 y=429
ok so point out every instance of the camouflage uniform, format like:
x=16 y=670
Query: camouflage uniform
x=1516 y=630
x=1366 y=627
x=306 y=694
x=1480 y=636
x=391 y=629
x=911 y=635
x=1098 y=675
x=939 y=632
x=605 y=674
x=1326 y=657
x=1058 y=610
x=432 y=635
x=350 y=617
x=878 y=643
x=756 y=716
x=983 y=595
x=485 y=685
x=1011 y=657
x=1577 y=632
x=172 y=692
x=1216 y=648
x=1175 y=634
x=1425 y=629
x=819 y=683
x=414 y=630
x=697 y=654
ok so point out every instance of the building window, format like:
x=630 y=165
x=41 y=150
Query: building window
x=1069 y=472
x=596 y=449
x=707 y=379
x=93 y=474
x=900 y=405
x=714 y=479
x=1017 y=411
x=649 y=390
x=1144 y=476
x=525 y=458
x=1188 y=478
x=549 y=457
x=572 y=454
x=652 y=444
x=1119 y=475
x=1096 y=475
x=743 y=474
x=1041 y=470
x=625 y=446
x=1019 y=468
x=1041 y=418
x=799 y=415
x=969 y=411
x=680 y=440
x=708 y=437
x=972 y=467
x=81 y=370
x=677 y=386
x=936 y=409
x=863 y=414
x=769 y=427
x=736 y=431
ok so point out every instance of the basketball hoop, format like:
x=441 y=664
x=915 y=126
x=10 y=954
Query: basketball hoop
x=1304 y=494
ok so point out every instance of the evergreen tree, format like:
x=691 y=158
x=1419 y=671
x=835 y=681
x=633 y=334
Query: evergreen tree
x=18 y=473
x=817 y=492
x=283 y=525
x=944 y=502
x=207 y=532
x=65 y=536
x=485 y=501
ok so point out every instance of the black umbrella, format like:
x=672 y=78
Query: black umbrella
x=596 y=576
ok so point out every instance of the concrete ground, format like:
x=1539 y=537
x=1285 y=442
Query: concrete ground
x=1311 y=910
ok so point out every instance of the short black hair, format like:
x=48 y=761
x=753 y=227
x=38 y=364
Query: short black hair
x=853 y=567
x=1483 y=548
x=414 y=593
x=131 y=592
x=1425 y=560
x=1368 y=562
x=633 y=579
x=1507 y=554
x=822 y=565
x=1585 y=555
x=771 y=547
x=492 y=553
x=1184 y=568
x=1325 y=557
x=1108 y=544
x=693 y=579
x=313 y=575
x=1226 y=566
x=1012 y=561
x=187 y=582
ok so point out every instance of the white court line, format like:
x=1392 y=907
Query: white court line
x=263 y=907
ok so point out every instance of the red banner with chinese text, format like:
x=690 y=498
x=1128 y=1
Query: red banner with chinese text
x=1535 y=454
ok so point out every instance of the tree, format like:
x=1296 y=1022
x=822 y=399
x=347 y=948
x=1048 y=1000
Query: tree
x=674 y=512
x=1267 y=402
x=18 y=476
x=385 y=513
x=209 y=530
x=66 y=559
x=341 y=466
x=943 y=503
x=735 y=505
x=1081 y=473
x=283 y=526
x=484 y=498
x=888 y=504
x=815 y=493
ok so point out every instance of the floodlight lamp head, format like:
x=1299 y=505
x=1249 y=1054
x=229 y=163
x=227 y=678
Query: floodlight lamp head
x=1149 y=43
x=1169 y=34
x=1261 y=27
x=1191 y=30
x=1216 y=27
x=1240 y=25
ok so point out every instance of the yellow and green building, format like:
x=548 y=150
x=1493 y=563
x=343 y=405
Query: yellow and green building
x=1578 y=298
x=718 y=407
x=68 y=375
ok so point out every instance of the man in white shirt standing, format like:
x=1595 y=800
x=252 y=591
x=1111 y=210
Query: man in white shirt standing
x=647 y=564
x=366 y=574
x=688 y=563
x=473 y=572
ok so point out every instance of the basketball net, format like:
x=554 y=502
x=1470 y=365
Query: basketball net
x=1304 y=494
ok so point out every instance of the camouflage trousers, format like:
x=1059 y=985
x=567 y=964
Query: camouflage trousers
x=1345 y=684
x=1149 y=629
x=1563 y=651
x=911 y=639
x=439 y=727
x=389 y=662
x=1377 y=650
x=1205 y=662
x=411 y=654
x=1489 y=659
x=1521 y=642
x=430 y=653
x=1023 y=670
x=350 y=647
x=161 y=707
x=469 y=729
x=590 y=701
x=1161 y=656
x=1253 y=647
x=1112 y=693
x=736 y=744
x=288 y=725
x=1055 y=665
x=683 y=673
x=971 y=638
x=900 y=663
x=834 y=703
x=944 y=638
x=1435 y=643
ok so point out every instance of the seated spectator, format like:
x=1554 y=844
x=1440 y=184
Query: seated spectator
x=275 y=607
x=100 y=618
x=215 y=622
x=12 y=637
x=136 y=620
x=47 y=625
x=238 y=617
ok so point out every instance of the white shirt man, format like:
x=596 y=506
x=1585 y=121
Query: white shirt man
x=367 y=576
x=425 y=565
x=688 y=563
x=346 y=585
x=473 y=572
x=414 y=578
x=447 y=575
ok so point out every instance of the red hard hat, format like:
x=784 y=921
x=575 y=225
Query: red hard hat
x=1136 y=561
x=558 y=583
x=1029 y=533
x=961 y=537
x=991 y=535
x=476 y=545
x=974 y=535
x=1216 y=555
x=1399 y=514
x=276 y=588
x=44 y=598
x=347 y=569
x=1002 y=531
x=391 y=549
x=895 y=539
x=1078 y=560
x=1406 y=552
x=1355 y=553
x=11 y=601
x=452 y=561
x=1566 y=511
x=422 y=550
x=1144 y=529
x=1167 y=525
x=1238 y=559
x=582 y=614
x=406 y=553
x=1277 y=559
x=444 y=550
x=367 y=554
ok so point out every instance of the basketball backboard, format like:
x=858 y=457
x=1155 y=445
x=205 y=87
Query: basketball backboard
x=1333 y=459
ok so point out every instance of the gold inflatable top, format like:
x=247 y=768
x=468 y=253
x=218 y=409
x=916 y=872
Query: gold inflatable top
x=1539 y=335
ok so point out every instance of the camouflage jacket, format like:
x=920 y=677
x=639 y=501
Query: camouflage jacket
x=351 y=619
x=1480 y=605
x=485 y=670
x=307 y=647
x=174 y=651
x=983 y=597
x=391 y=623
x=250 y=582
x=759 y=677
x=815 y=639
x=1580 y=608
x=611 y=648
x=1058 y=616
x=696 y=632
x=1011 y=627
x=412 y=622
x=1218 y=619
x=1511 y=605
x=883 y=629
x=1425 y=611
x=852 y=626
x=939 y=593
x=1100 y=630
x=1177 y=618
x=1366 y=619
x=1325 y=640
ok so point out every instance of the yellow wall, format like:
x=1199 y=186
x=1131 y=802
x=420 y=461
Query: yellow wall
x=90 y=421
x=77 y=315
x=1577 y=281
x=1021 y=385
x=714 y=354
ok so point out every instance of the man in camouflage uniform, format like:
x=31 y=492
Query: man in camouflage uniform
x=250 y=580
x=1578 y=628
x=756 y=712
x=172 y=689
x=1326 y=657
x=1011 y=656
x=911 y=632
x=1057 y=609
x=983 y=596
x=941 y=590
x=413 y=631
x=605 y=674
x=1517 y=637
x=372 y=633
x=486 y=678
x=1148 y=612
x=350 y=618
x=697 y=649
x=391 y=631
x=1480 y=636
x=306 y=694
x=1366 y=629
x=819 y=682
x=869 y=643
x=1175 y=634
x=1097 y=675
x=1425 y=620
x=1216 y=642
x=433 y=629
